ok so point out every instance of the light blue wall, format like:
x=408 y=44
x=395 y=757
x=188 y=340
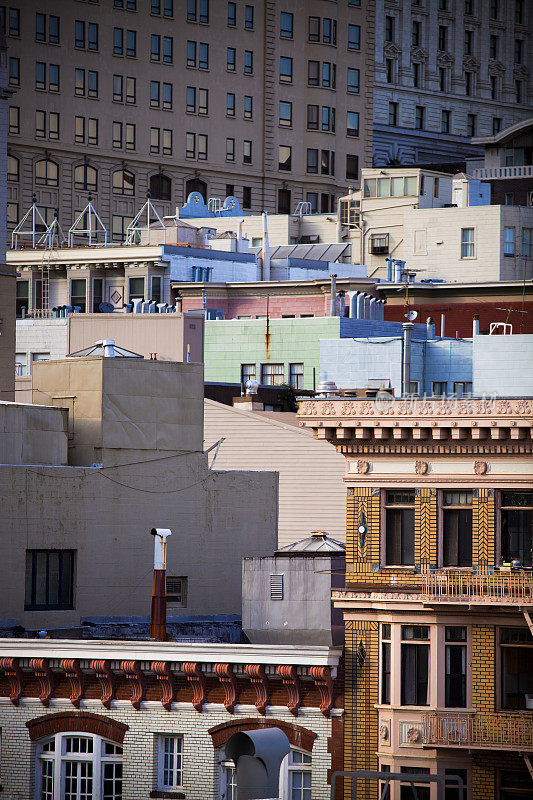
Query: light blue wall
x=504 y=365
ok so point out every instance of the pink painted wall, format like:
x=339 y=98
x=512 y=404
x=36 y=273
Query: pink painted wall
x=251 y=306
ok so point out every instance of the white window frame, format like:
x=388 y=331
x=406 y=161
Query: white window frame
x=58 y=757
x=178 y=771
x=512 y=241
x=468 y=246
x=287 y=771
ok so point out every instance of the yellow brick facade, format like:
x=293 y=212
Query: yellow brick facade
x=483 y=667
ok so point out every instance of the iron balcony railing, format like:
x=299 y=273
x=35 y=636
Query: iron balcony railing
x=514 y=588
x=493 y=731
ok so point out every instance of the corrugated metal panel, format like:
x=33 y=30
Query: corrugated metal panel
x=313 y=252
x=312 y=495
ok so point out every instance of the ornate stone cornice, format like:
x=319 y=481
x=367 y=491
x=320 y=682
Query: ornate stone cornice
x=419 y=55
x=391 y=50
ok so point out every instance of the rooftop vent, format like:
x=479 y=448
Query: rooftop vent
x=105 y=348
x=276 y=587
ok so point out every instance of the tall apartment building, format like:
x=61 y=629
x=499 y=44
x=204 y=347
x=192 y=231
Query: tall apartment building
x=439 y=590
x=269 y=101
x=447 y=71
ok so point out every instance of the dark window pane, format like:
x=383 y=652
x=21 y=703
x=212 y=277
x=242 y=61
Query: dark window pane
x=457 y=537
x=415 y=674
x=517 y=676
x=455 y=676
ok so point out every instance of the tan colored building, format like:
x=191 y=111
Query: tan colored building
x=79 y=545
x=264 y=101
x=310 y=487
x=7 y=332
x=439 y=589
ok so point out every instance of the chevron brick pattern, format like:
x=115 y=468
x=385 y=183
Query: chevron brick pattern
x=483 y=527
x=362 y=501
x=425 y=528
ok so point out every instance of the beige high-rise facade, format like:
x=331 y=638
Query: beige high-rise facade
x=269 y=101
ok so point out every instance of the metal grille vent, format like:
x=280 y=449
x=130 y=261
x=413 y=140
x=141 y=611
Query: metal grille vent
x=276 y=587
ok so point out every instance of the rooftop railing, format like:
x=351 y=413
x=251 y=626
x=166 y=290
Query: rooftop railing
x=500 y=730
x=497 y=587
x=503 y=172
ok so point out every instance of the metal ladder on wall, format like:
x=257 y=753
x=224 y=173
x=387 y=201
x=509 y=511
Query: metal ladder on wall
x=45 y=280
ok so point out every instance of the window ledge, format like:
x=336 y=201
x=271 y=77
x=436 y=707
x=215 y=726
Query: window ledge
x=167 y=794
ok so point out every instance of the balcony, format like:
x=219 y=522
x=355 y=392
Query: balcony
x=496 y=731
x=503 y=172
x=501 y=588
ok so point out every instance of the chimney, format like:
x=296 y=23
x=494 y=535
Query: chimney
x=442 y=321
x=475 y=325
x=108 y=347
x=158 y=615
x=407 y=330
x=333 y=296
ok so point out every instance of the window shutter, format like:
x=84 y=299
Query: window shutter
x=276 y=587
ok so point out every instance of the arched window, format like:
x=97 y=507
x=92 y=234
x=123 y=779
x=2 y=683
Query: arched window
x=196 y=185
x=160 y=187
x=295 y=776
x=124 y=182
x=85 y=177
x=13 y=169
x=46 y=173
x=79 y=765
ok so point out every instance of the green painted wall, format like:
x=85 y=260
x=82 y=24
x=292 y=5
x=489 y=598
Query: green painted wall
x=230 y=343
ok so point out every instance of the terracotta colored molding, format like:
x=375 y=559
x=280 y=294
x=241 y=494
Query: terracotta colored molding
x=71 y=667
x=43 y=672
x=229 y=682
x=76 y=721
x=291 y=680
x=324 y=683
x=296 y=734
x=106 y=679
x=196 y=678
x=135 y=676
x=165 y=678
x=256 y=673
x=13 y=672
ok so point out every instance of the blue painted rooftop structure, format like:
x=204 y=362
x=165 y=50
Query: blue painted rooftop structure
x=196 y=207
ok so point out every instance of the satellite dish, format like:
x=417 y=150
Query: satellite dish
x=106 y=308
x=411 y=315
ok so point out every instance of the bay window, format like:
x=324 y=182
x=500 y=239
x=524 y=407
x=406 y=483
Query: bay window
x=77 y=766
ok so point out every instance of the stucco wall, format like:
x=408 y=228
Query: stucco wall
x=504 y=365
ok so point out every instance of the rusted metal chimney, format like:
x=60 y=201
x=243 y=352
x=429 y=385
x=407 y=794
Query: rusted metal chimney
x=158 y=615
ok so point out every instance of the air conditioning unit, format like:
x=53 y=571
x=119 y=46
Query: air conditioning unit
x=379 y=244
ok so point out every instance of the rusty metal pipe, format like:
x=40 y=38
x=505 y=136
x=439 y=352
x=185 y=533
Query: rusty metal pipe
x=158 y=612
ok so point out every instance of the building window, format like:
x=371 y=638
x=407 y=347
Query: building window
x=285 y=114
x=462 y=388
x=518 y=92
x=496 y=125
x=247 y=151
x=493 y=9
x=468 y=40
x=49 y=578
x=232 y=14
x=385 y=663
x=176 y=587
x=516 y=651
x=455 y=667
x=423 y=791
x=389 y=29
x=170 y=762
x=419 y=118
x=284 y=158
x=354 y=37
x=299 y=774
x=457 y=529
x=400 y=527
x=508 y=242
x=231 y=59
x=353 y=80
x=123 y=183
x=249 y=17
x=352 y=123
x=442 y=38
x=248 y=107
x=285 y=69
x=314 y=29
x=22 y=301
x=516 y=521
x=312 y=161
x=393 y=114
x=471 y=125
x=494 y=87
x=286 y=25
x=352 y=167
x=248 y=62
x=445 y=120
x=46 y=173
x=467 y=242
x=519 y=12
x=389 y=66
x=469 y=84
x=160 y=187
x=14 y=71
x=230 y=149
x=230 y=104
x=119 y=227
x=78 y=293
x=14 y=119
x=85 y=178
x=417 y=71
x=155 y=140
x=379 y=244
x=415 y=665
x=494 y=42
x=443 y=79
x=415 y=33
x=79 y=766
x=247 y=373
x=272 y=374
x=130 y=136
x=296 y=376
x=13 y=169
x=451 y=790
x=526 y=242
x=312 y=118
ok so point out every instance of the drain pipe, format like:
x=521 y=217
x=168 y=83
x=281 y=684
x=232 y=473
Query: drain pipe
x=158 y=613
x=265 y=251
x=475 y=325
x=406 y=366
x=442 y=321
x=333 y=296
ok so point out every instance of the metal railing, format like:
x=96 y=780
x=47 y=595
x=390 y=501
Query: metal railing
x=494 y=731
x=501 y=587
x=525 y=171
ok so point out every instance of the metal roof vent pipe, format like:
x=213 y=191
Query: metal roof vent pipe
x=390 y=262
x=333 y=296
x=442 y=325
x=430 y=326
x=327 y=388
x=158 y=612
x=137 y=304
x=398 y=271
x=108 y=346
x=475 y=325
x=406 y=366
